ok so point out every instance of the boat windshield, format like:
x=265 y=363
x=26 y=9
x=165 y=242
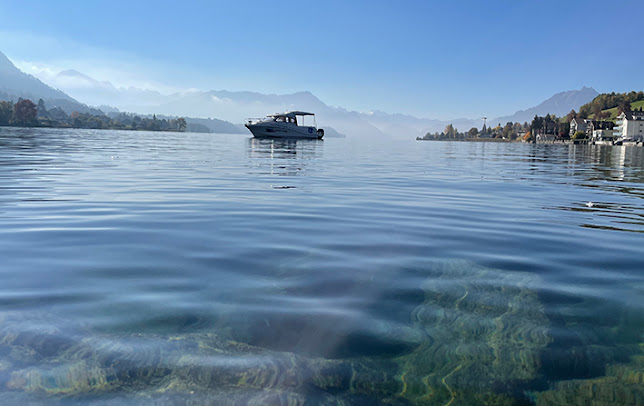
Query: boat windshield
x=291 y=117
x=285 y=119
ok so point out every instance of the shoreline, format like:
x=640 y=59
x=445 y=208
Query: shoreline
x=551 y=142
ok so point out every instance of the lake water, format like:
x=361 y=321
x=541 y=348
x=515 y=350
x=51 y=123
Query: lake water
x=165 y=268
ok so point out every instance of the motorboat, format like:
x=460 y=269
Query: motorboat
x=285 y=125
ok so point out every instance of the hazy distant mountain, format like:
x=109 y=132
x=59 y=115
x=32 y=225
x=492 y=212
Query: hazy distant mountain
x=96 y=93
x=217 y=109
x=203 y=106
x=402 y=125
x=215 y=125
x=15 y=84
x=560 y=104
x=238 y=106
x=212 y=109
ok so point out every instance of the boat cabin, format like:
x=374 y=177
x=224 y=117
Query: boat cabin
x=291 y=117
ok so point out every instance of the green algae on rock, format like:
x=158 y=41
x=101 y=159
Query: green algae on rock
x=479 y=332
x=485 y=330
x=606 y=357
x=623 y=384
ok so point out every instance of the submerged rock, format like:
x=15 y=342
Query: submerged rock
x=200 y=366
x=605 y=355
x=485 y=330
x=477 y=337
x=623 y=384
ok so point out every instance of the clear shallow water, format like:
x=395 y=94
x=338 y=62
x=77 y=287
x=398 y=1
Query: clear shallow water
x=168 y=268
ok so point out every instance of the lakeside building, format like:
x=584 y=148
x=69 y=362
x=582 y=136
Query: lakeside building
x=600 y=130
x=578 y=124
x=603 y=135
x=546 y=137
x=630 y=126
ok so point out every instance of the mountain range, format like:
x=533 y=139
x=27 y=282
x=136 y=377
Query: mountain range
x=560 y=104
x=15 y=84
x=219 y=109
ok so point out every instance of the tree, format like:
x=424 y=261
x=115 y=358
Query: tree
x=58 y=114
x=507 y=131
x=579 y=135
x=537 y=124
x=24 y=113
x=450 y=131
x=624 y=107
x=597 y=112
x=6 y=111
x=571 y=115
x=548 y=123
x=181 y=124
x=497 y=131
x=564 y=129
x=473 y=132
x=41 y=109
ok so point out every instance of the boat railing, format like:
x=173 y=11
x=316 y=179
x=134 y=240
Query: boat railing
x=251 y=121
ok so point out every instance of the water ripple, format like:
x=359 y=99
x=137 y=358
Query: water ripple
x=158 y=267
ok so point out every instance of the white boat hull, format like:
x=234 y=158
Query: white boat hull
x=283 y=130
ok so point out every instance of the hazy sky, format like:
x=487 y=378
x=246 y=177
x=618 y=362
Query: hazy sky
x=432 y=59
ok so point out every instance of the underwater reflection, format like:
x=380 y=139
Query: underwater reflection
x=282 y=157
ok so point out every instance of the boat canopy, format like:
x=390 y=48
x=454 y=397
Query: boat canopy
x=291 y=114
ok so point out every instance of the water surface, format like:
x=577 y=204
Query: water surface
x=168 y=268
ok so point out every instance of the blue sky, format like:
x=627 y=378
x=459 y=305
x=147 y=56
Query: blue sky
x=431 y=59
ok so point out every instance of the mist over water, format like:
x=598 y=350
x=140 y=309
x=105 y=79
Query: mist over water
x=162 y=268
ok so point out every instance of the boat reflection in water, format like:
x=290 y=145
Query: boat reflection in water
x=284 y=157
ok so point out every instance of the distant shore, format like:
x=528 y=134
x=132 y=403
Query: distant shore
x=560 y=142
x=474 y=140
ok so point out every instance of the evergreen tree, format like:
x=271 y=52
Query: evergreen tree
x=6 y=111
x=24 y=113
x=41 y=109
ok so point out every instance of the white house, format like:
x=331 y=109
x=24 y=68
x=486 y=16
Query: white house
x=630 y=126
x=545 y=137
x=603 y=135
x=600 y=130
x=578 y=124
